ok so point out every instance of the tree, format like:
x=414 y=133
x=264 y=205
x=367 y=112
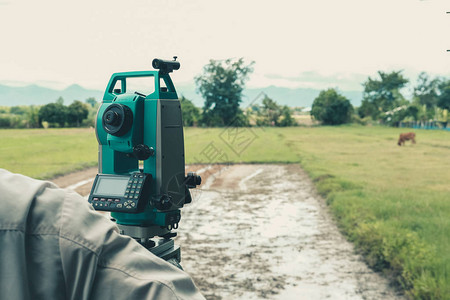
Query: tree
x=426 y=91
x=382 y=95
x=221 y=85
x=190 y=113
x=76 y=113
x=5 y=121
x=91 y=101
x=331 y=108
x=269 y=114
x=395 y=116
x=60 y=100
x=367 y=109
x=18 y=110
x=32 y=117
x=413 y=112
x=444 y=95
x=286 y=117
x=53 y=113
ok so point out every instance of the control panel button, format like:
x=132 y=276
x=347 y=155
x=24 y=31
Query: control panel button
x=134 y=195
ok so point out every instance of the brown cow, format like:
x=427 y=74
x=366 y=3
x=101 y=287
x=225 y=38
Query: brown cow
x=406 y=137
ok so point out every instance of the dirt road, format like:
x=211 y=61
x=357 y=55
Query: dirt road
x=261 y=231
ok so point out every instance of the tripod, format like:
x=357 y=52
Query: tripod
x=155 y=239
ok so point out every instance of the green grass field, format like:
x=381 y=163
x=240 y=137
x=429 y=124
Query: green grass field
x=392 y=202
x=46 y=153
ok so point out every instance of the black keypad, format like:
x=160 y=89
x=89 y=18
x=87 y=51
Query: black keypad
x=126 y=203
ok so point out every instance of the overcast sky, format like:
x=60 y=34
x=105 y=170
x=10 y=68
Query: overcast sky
x=294 y=43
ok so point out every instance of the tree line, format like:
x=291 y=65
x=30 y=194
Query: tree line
x=383 y=101
x=77 y=114
x=222 y=82
x=221 y=85
x=268 y=113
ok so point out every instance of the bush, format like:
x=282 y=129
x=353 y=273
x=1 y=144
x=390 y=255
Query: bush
x=361 y=121
x=76 y=113
x=5 y=121
x=53 y=113
x=331 y=108
x=191 y=114
x=12 y=121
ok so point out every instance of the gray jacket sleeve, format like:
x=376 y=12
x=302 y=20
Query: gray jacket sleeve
x=58 y=247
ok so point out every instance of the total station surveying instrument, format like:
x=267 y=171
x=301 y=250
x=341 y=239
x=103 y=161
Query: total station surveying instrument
x=141 y=178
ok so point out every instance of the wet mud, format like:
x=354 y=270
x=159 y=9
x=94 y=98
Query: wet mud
x=262 y=232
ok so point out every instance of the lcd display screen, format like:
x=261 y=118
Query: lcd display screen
x=111 y=186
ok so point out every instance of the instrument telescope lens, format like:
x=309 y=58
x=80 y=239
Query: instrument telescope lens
x=112 y=118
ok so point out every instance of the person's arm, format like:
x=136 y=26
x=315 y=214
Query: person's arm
x=99 y=263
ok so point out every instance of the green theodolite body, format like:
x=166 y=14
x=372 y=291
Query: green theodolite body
x=157 y=126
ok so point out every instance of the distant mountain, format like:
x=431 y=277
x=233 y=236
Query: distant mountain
x=38 y=95
x=299 y=97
